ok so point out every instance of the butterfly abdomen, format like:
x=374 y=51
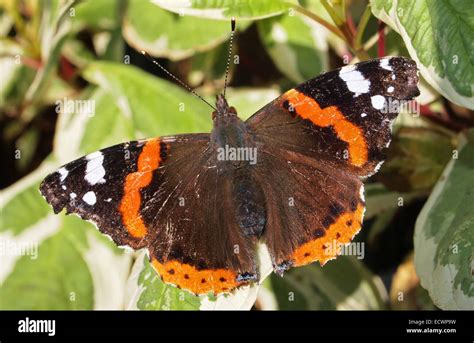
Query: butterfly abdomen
x=250 y=209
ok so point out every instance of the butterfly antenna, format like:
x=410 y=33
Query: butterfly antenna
x=151 y=59
x=232 y=25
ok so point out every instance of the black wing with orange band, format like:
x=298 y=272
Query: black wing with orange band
x=163 y=194
x=104 y=187
x=342 y=117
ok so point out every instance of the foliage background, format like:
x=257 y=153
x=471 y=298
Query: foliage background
x=419 y=227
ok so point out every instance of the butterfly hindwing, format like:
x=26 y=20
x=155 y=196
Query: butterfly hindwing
x=315 y=209
x=198 y=244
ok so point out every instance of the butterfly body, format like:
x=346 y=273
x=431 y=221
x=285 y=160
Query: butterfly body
x=290 y=178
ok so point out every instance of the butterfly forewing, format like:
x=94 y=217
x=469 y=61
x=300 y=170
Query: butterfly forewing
x=343 y=117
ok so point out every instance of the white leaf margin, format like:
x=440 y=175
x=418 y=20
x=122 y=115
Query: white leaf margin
x=285 y=58
x=109 y=273
x=185 y=7
x=442 y=293
x=35 y=234
x=160 y=47
x=241 y=299
x=440 y=84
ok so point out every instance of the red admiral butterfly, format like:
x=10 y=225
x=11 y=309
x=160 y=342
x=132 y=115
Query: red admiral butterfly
x=288 y=177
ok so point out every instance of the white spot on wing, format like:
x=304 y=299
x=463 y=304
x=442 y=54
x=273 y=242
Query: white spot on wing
x=89 y=198
x=63 y=173
x=64 y=187
x=73 y=195
x=378 y=102
x=355 y=81
x=363 y=115
x=347 y=68
x=384 y=64
x=95 y=171
x=390 y=89
x=393 y=77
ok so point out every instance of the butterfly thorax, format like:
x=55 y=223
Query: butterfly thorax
x=231 y=136
x=236 y=158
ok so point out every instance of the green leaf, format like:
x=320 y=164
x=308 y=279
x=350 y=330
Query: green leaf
x=436 y=34
x=416 y=158
x=161 y=33
x=16 y=76
x=55 y=29
x=157 y=295
x=95 y=15
x=146 y=291
x=153 y=106
x=379 y=199
x=247 y=101
x=128 y=104
x=226 y=9
x=27 y=143
x=444 y=234
x=209 y=65
x=341 y=284
x=296 y=44
x=19 y=197
x=103 y=129
x=52 y=261
x=15 y=223
x=43 y=283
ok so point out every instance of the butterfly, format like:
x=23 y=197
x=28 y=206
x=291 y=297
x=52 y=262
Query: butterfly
x=289 y=179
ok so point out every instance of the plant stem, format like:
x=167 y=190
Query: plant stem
x=334 y=15
x=319 y=20
x=343 y=31
x=362 y=25
x=381 y=40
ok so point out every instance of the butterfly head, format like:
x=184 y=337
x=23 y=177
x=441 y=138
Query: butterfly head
x=223 y=109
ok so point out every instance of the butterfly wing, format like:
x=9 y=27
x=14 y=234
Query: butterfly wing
x=343 y=117
x=312 y=211
x=315 y=142
x=94 y=187
x=163 y=194
x=200 y=245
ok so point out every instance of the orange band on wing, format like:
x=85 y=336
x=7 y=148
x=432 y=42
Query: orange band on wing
x=197 y=281
x=308 y=108
x=148 y=160
x=327 y=247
